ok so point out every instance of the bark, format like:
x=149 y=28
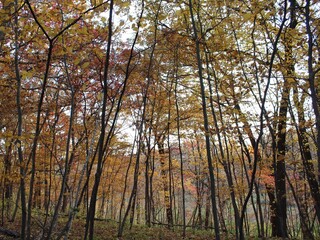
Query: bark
x=280 y=169
x=92 y=207
x=33 y=153
x=180 y=148
x=37 y=193
x=32 y=157
x=52 y=150
x=207 y=214
x=261 y=120
x=19 y=133
x=67 y=162
x=279 y=165
x=149 y=207
x=133 y=205
x=314 y=88
x=165 y=181
x=249 y=132
x=7 y=183
x=206 y=125
x=148 y=165
x=133 y=192
x=224 y=159
x=303 y=212
x=305 y=150
x=105 y=140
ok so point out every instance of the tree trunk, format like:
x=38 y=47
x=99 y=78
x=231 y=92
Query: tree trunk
x=7 y=183
x=165 y=181
x=206 y=125
x=280 y=168
x=314 y=87
x=181 y=159
x=22 y=163
x=305 y=150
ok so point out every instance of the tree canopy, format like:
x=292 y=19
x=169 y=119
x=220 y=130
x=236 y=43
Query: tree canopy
x=184 y=115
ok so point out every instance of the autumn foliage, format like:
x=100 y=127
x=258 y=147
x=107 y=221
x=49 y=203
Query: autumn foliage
x=174 y=115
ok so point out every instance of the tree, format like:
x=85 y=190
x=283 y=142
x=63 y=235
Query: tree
x=206 y=125
x=195 y=114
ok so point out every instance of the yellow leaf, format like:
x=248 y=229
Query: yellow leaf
x=247 y=16
x=85 y=65
x=7 y=143
x=77 y=61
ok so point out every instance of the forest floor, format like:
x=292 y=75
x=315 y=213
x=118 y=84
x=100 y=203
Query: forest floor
x=105 y=230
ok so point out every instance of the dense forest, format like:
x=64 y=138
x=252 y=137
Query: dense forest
x=181 y=115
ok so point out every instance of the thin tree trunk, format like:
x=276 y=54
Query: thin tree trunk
x=33 y=153
x=206 y=125
x=51 y=156
x=280 y=168
x=224 y=159
x=122 y=221
x=92 y=207
x=165 y=182
x=244 y=149
x=7 y=183
x=261 y=118
x=104 y=141
x=19 y=133
x=180 y=156
x=67 y=161
x=306 y=232
x=312 y=84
